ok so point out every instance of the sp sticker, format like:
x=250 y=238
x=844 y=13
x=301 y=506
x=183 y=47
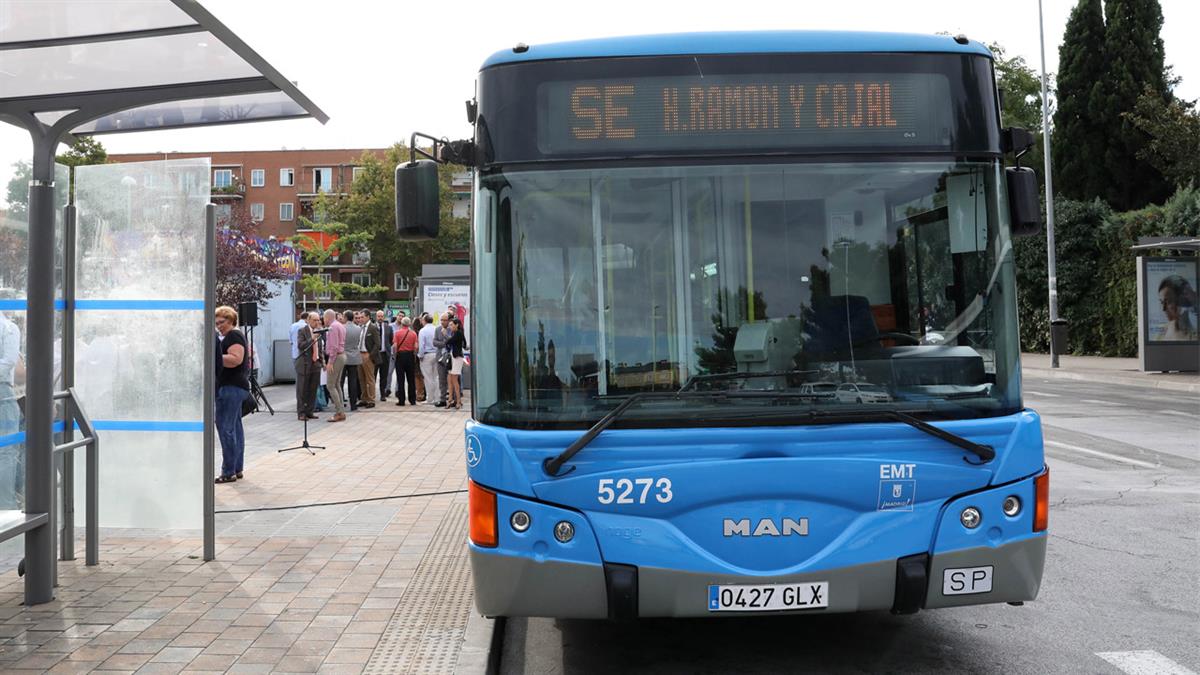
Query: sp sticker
x=474 y=451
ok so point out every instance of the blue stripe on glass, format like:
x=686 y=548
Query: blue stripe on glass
x=116 y=425
x=750 y=42
x=22 y=305
x=139 y=305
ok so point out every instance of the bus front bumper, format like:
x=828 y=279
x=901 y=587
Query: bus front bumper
x=507 y=585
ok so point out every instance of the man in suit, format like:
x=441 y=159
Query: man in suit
x=293 y=336
x=353 y=359
x=368 y=347
x=385 y=355
x=308 y=367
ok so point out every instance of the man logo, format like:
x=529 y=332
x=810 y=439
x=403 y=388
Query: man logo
x=766 y=528
x=897 y=490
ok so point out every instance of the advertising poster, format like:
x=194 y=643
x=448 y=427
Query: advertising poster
x=1171 y=301
x=437 y=298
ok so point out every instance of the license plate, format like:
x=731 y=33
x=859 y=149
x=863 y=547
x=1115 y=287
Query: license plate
x=967 y=580
x=768 y=597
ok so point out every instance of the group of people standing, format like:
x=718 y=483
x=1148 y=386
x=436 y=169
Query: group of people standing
x=362 y=351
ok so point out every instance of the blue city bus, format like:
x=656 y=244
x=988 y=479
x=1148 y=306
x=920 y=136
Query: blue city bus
x=744 y=328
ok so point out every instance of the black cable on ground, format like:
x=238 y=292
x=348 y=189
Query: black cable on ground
x=348 y=501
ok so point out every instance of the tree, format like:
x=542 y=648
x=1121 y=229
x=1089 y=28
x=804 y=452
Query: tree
x=1020 y=89
x=330 y=241
x=371 y=208
x=1079 y=136
x=245 y=263
x=1133 y=52
x=86 y=150
x=1173 y=128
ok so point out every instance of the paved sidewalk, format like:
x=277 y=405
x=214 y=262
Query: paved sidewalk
x=380 y=586
x=1108 y=370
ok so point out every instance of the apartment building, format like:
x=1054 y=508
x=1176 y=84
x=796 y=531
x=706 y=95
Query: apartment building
x=276 y=188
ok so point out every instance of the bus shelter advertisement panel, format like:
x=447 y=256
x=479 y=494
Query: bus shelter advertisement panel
x=437 y=299
x=1171 y=300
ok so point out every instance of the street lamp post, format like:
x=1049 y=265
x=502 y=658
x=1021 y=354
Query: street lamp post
x=1051 y=274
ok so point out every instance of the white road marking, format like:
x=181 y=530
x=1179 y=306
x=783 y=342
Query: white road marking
x=1144 y=662
x=1042 y=393
x=1092 y=400
x=1180 y=413
x=1106 y=455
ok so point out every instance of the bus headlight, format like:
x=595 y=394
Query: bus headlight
x=971 y=517
x=564 y=531
x=519 y=521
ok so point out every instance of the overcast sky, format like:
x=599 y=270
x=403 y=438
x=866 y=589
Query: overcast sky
x=383 y=69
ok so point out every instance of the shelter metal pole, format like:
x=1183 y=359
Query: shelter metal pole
x=39 y=388
x=210 y=306
x=67 y=545
x=1051 y=273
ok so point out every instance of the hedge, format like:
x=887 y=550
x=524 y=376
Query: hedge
x=1097 y=274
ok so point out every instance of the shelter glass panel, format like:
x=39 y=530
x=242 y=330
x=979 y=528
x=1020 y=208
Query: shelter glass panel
x=140 y=326
x=22 y=20
x=120 y=64
x=214 y=110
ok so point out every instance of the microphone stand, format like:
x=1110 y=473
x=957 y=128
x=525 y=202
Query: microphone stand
x=304 y=445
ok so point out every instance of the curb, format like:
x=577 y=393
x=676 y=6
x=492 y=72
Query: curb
x=1134 y=381
x=479 y=648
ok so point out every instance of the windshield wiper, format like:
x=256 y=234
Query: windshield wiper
x=984 y=452
x=552 y=465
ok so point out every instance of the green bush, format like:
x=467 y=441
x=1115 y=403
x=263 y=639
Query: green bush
x=1097 y=274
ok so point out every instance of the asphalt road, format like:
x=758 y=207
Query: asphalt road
x=1122 y=575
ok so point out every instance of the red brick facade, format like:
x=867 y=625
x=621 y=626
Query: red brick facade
x=312 y=172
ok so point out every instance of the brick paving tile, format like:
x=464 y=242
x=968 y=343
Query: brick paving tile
x=191 y=639
x=72 y=667
x=126 y=662
x=211 y=662
x=37 y=661
x=182 y=655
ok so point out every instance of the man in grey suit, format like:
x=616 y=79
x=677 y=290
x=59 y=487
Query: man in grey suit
x=353 y=358
x=308 y=367
x=384 y=370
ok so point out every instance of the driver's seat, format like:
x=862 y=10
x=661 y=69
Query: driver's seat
x=839 y=321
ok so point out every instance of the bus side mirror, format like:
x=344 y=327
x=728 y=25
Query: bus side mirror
x=417 y=206
x=1024 y=210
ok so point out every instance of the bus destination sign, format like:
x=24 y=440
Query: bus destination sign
x=801 y=111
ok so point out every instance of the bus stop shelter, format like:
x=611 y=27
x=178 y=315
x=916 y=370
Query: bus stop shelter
x=77 y=67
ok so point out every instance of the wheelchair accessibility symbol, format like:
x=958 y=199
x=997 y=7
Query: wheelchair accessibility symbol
x=474 y=451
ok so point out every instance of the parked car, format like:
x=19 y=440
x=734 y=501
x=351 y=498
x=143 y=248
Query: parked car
x=862 y=392
x=819 y=391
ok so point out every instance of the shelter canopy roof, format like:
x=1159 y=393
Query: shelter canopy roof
x=134 y=65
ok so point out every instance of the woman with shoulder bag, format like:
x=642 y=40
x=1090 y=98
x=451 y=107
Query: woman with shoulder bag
x=455 y=346
x=233 y=388
x=404 y=339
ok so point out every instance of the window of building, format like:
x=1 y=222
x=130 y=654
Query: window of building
x=258 y=177
x=361 y=278
x=287 y=177
x=354 y=173
x=224 y=212
x=399 y=282
x=287 y=211
x=360 y=257
x=256 y=212
x=222 y=178
x=323 y=179
x=326 y=279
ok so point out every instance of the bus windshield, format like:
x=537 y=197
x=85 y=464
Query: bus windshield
x=794 y=280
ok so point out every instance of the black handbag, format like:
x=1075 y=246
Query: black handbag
x=249 y=405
